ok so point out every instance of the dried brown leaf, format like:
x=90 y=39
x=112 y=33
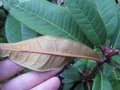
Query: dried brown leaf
x=46 y=52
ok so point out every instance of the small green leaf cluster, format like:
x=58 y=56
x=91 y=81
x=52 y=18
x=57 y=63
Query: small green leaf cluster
x=72 y=77
x=91 y=22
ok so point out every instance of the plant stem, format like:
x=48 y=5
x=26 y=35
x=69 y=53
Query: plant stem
x=95 y=69
x=88 y=85
x=83 y=75
x=107 y=54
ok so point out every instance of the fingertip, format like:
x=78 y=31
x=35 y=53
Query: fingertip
x=30 y=80
x=56 y=80
x=51 y=84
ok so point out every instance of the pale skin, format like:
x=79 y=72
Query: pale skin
x=28 y=81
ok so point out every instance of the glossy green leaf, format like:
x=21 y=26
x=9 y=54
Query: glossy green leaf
x=115 y=84
x=68 y=86
x=88 y=19
x=107 y=69
x=117 y=74
x=48 y=19
x=116 y=59
x=80 y=86
x=72 y=73
x=67 y=80
x=115 y=39
x=13 y=30
x=83 y=64
x=101 y=83
x=109 y=13
x=9 y=3
x=91 y=64
x=118 y=5
x=27 y=33
x=80 y=62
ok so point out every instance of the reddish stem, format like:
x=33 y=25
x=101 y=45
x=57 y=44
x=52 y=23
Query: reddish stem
x=88 y=85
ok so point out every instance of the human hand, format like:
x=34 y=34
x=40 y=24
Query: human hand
x=28 y=81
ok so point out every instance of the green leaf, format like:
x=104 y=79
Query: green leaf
x=91 y=64
x=9 y=3
x=80 y=86
x=101 y=83
x=27 y=33
x=118 y=5
x=88 y=19
x=109 y=13
x=48 y=19
x=83 y=64
x=13 y=30
x=115 y=84
x=117 y=73
x=115 y=39
x=108 y=69
x=116 y=59
x=68 y=86
x=67 y=80
x=80 y=62
x=72 y=73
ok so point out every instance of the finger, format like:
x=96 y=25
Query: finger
x=29 y=80
x=8 y=69
x=51 y=84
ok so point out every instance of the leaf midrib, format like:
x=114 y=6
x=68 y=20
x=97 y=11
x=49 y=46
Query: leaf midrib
x=116 y=40
x=100 y=13
x=47 y=21
x=88 y=21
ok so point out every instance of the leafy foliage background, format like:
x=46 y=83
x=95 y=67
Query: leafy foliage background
x=102 y=22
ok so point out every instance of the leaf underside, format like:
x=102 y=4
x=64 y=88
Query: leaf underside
x=46 y=52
